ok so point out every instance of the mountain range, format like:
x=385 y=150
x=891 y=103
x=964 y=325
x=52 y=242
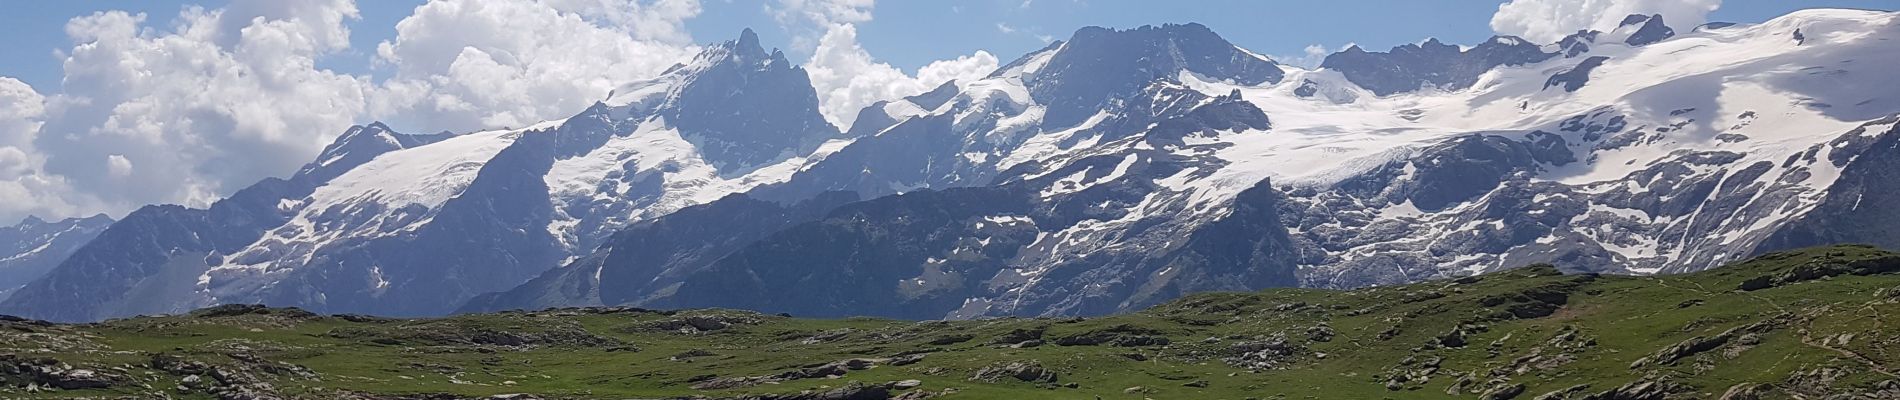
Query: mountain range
x=1105 y=173
x=35 y=246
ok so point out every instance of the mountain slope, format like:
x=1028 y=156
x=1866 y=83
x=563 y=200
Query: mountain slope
x=396 y=224
x=1804 y=324
x=35 y=246
x=1102 y=174
x=1640 y=150
x=656 y=253
x=997 y=130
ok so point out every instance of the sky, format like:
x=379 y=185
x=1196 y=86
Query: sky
x=108 y=105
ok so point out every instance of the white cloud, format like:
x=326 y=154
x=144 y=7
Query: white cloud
x=848 y=79
x=19 y=117
x=821 y=12
x=656 y=20
x=1547 y=21
x=23 y=188
x=213 y=102
x=118 y=165
x=808 y=20
x=1310 y=57
x=962 y=69
x=846 y=76
x=464 y=64
x=190 y=108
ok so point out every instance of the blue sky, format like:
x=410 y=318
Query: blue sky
x=910 y=34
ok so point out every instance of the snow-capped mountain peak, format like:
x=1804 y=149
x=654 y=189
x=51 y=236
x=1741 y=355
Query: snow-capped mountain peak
x=359 y=145
x=1099 y=65
x=390 y=223
x=34 y=246
x=1103 y=173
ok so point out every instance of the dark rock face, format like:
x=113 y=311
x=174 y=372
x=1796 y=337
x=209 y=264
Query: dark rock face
x=1465 y=168
x=1577 y=43
x=1577 y=76
x=1410 y=67
x=652 y=257
x=1842 y=217
x=748 y=107
x=853 y=261
x=1247 y=249
x=35 y=246
x=1306 y=89
x=1649 y=29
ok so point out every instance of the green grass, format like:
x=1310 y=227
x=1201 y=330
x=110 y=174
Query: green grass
x=1841 y=326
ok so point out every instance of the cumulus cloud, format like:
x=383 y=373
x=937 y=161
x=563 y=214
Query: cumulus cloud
x=816 y=15
x=1309 y=57
x=19 y=118
x=465 y=64
x=188 y=108
x=846 y=76
x=212 y=103
x=964 y=68
x=24 y=189
x=1547 y=21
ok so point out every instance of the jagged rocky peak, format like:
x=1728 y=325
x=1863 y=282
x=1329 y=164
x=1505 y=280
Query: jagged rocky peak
x=1099 y=64
x=1644 y=29
x=744 y=107
x=746 y=47
x=1577 y=43
x=1634 y=30
x=31 y=220
x=33 y=224
x=34 y=246
x=1432 y=63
